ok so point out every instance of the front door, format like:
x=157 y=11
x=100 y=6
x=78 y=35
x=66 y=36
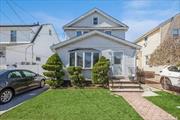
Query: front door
x=117 y=59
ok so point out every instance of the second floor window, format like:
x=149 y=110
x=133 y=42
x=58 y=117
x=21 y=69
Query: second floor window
x=176 y=32
x=147 y=59
x=108 y=32
x=78 y=33
x=13 y=35
x=95 y=20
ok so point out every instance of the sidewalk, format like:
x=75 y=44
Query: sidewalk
x=145 y=108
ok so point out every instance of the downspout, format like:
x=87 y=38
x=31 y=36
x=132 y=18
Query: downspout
x=26 y=52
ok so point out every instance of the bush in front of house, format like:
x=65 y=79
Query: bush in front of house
x=76 y=77
x=54 y=71
x=100 y=72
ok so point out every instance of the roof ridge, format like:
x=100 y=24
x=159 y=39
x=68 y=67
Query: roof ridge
x=93 y=10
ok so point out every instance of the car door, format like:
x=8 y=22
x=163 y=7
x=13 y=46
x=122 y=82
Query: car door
x=17 y=81
x=31 y=78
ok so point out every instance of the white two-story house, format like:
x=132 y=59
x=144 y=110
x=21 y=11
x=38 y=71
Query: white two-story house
x=96 y=34
x=26 y=46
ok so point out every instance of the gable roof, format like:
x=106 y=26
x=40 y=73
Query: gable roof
x=100 y=12
x=156 y=28
x=36 y=34
x=95 y=32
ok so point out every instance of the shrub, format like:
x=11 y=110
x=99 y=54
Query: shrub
x=76 y=76
x=54 y=71
x=100 y=71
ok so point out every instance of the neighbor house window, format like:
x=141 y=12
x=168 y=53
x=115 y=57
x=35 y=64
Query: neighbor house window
x=38 y=59
x=147 y=59
x=87 y=59
x=95 y=58
x=72 y=59
x=78 y=33
x=145 y=41
x=50 y=32
x=176 y=32
x=2 y=53
x=108 y=32
x=85 y=32
x=13 y=35
x=80 y=59
x=95 y=20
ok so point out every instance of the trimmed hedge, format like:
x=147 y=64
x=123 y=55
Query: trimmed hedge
x=54 y=71
x=100 y=71
x=77 y=79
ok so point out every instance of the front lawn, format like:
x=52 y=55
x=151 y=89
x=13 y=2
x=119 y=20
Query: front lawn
x=168 y=102
x=74 y=104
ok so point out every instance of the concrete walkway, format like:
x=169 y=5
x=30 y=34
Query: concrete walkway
x=19 y=99
x=145 y=108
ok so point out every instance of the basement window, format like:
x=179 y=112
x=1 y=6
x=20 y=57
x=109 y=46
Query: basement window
x=38 y=59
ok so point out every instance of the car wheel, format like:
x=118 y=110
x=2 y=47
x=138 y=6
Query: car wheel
x=42 y=83
x=6 y=96
x=166 y=83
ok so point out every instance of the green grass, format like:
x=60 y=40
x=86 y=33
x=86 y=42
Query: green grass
x=168 y=102
x=74 y=104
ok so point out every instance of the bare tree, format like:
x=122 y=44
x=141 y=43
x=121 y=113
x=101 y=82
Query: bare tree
x=168 y=51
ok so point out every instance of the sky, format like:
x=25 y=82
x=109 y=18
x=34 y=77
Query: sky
x=140 y=15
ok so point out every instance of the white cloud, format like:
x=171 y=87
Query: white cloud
x=137 y=4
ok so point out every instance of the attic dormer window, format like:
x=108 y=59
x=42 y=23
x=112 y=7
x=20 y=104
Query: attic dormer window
x=95 y=20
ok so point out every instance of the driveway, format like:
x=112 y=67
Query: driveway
x=19 y=99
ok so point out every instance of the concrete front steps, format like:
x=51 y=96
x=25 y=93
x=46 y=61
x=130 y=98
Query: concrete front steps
x=125 y=85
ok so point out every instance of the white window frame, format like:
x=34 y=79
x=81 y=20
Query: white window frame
x=83 y=52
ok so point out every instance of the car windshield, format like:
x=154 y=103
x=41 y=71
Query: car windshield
x=174 y=69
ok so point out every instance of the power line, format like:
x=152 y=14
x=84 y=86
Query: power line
x=25 y=11
x=11 y=7
x=6 y=16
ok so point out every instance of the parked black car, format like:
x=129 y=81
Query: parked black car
x=13 y=82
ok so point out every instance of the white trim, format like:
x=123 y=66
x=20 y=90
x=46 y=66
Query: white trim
x=100 y=12
x=83 y=60
x=121 y=41
x=75 y=58
x=92 y=54
x=95 y=28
